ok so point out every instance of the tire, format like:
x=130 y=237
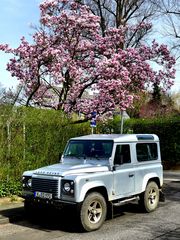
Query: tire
x=93 y=212
x=150 y=198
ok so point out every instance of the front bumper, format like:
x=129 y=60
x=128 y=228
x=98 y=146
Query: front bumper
x=29 y=196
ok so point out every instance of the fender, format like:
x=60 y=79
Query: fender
x=147 y=177
x=28 y=173
x=88 y=186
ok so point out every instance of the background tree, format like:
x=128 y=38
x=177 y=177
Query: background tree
x=70 y=57
x=131 y=13
x=11 y=96
x=170 y=13
x=155 y=108
x=176 y=101
x=1 y=93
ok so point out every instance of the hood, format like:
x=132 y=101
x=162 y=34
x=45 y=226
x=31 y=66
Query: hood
x=62 y=169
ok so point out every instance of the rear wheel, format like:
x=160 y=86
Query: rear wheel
x=93 y=211
x=150 y=198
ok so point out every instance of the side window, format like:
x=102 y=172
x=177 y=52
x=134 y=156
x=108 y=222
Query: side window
x=146 y=151
x=122 y=154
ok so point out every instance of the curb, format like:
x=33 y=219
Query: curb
x=11 y=212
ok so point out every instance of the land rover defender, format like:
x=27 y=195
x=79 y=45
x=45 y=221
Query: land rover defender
x=96 y=171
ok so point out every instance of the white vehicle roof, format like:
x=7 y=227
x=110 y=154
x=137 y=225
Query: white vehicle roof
x=120 y=137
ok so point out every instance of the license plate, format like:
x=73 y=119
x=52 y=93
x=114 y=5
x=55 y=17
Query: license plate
x=43 y=195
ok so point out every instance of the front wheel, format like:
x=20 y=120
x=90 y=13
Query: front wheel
x=150 y=198
x=93 y=211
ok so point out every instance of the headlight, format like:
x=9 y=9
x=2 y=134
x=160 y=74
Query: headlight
x=27 y=182
x=68 y=187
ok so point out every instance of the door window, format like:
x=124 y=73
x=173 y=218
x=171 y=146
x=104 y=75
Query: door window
x=122 y=154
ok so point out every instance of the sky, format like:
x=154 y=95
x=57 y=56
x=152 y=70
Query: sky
x=16 y=19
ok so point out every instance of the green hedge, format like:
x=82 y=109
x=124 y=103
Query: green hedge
x=168 y=130
x=31 y=138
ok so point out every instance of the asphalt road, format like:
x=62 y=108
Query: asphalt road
x=129 y=222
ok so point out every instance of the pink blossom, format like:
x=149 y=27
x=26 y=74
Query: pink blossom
x=69 y=58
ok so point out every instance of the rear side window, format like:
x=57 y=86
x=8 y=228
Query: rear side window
x=146 y=151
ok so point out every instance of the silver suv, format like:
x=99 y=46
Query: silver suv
x=96 y=171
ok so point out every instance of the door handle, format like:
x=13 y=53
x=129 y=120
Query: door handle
x=131 y=175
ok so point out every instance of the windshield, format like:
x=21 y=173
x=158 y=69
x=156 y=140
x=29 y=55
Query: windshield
x=89 y=149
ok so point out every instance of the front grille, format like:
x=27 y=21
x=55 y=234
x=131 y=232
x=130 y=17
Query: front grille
x=45 y=185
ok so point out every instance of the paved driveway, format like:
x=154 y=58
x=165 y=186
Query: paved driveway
x=128 y=223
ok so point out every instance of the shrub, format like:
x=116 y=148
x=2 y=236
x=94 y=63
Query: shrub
x=168 y=130
x=10 y=187
x=31 y=138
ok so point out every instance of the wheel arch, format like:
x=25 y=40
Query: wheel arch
x=95 y=186
x=101 y=189
x=156 y=180
x=151 y=178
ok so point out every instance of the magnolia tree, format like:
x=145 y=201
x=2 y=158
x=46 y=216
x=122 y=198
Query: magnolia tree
x=72 y=67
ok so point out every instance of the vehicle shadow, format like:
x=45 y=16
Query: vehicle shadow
x=172 y=191
x=45 y=219
x=66 y=219
x=11 y=214
x=127 y=208
x=52 y=219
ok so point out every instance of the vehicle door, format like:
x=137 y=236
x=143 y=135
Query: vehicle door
x=124 y=175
